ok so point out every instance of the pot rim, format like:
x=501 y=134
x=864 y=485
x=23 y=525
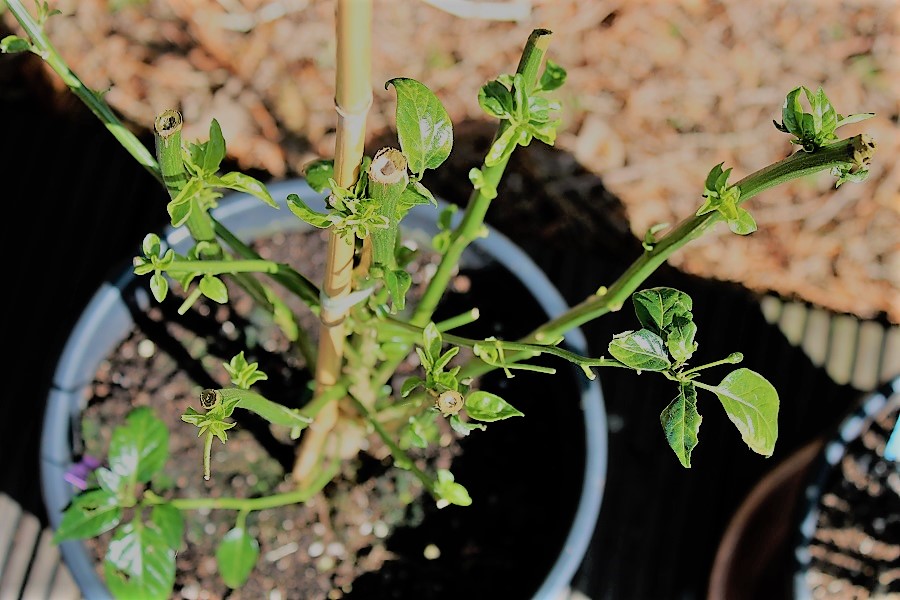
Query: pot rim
x=104 y=321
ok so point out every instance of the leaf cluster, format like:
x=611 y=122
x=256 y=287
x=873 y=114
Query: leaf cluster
x=724 y=198
x=813 y=129
x=665 y=343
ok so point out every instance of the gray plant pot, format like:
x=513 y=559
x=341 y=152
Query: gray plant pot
x=106 y=321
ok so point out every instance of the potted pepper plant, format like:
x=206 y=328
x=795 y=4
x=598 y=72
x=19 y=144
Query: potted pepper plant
x=358 y=359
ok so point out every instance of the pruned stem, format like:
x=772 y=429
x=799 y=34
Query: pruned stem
x=352 y=100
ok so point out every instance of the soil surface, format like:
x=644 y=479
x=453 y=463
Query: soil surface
x=658 y=92
x=370 y=533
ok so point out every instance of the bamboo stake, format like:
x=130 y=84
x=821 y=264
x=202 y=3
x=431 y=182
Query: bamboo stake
x=353 y=98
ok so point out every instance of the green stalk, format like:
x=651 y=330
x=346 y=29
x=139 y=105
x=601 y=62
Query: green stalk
x=473 y=219
x=295 y=282
x=167 y=135
x=41 y=46
x=856 y=150
x=167 y=131
x=301 y=494
x=401 y=458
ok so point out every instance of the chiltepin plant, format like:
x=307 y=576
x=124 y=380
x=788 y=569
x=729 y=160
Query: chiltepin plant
x=367 y=325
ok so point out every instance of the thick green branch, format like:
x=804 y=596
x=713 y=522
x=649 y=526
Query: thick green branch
x=856 y=150
x=301 y=494
x=473 y=219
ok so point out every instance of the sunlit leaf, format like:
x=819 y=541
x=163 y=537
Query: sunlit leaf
x=302 y=210
x=447 y=489
x=139 y=449
x=656 y=307
x=642 y=350
x=488 y=407
x=423 y=125
x=751 y=403
x=681 y=423
x=214 y=289
x=680 y=340
x=240 y=182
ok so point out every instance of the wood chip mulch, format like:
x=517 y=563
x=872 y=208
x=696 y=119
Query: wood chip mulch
x=658 y=93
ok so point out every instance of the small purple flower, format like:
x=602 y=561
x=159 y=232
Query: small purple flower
x=78 y=473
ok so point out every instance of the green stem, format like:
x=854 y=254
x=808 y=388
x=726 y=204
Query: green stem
x=167 y=130
x=470 y=316
x=401 y=459
x=207 y=453
x=412 y=332
x=94 y=101
x=296 y=283
x=855 y=150
x=167 y=135
x=732 y=359
x=301 y=494
x=473 y=219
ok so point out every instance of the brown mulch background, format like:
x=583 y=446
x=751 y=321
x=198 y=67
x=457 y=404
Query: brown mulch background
x=658 y=92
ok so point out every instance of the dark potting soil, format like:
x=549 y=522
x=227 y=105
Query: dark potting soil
x=855 y=547
x=368 y=533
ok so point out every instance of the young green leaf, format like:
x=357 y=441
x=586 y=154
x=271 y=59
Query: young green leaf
x=214 y=149
x=13 y=44
x=751 y=403
x=214 y=288
x=502 y=146
x=159 y=286
x=445 y=358
x=681 y=423
x=398 y=283
x=432 y=342
x=414 y=194
x=657 y=307
x=139 y=563
x=552 y=77
x=318 y=173
x=170 y=523
x=464 y=428
x=236 y=556
x=181 y=205
x=423 y=125
x=488 y=407
x=300 y=208
x=409 y=385
x=139 y=449
x=240 y=182
x=495 y=99
x=742 y=223
x=642 y=350
x=448 y=490
x=476 y=176
x=680 y=339
x=91 y=513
